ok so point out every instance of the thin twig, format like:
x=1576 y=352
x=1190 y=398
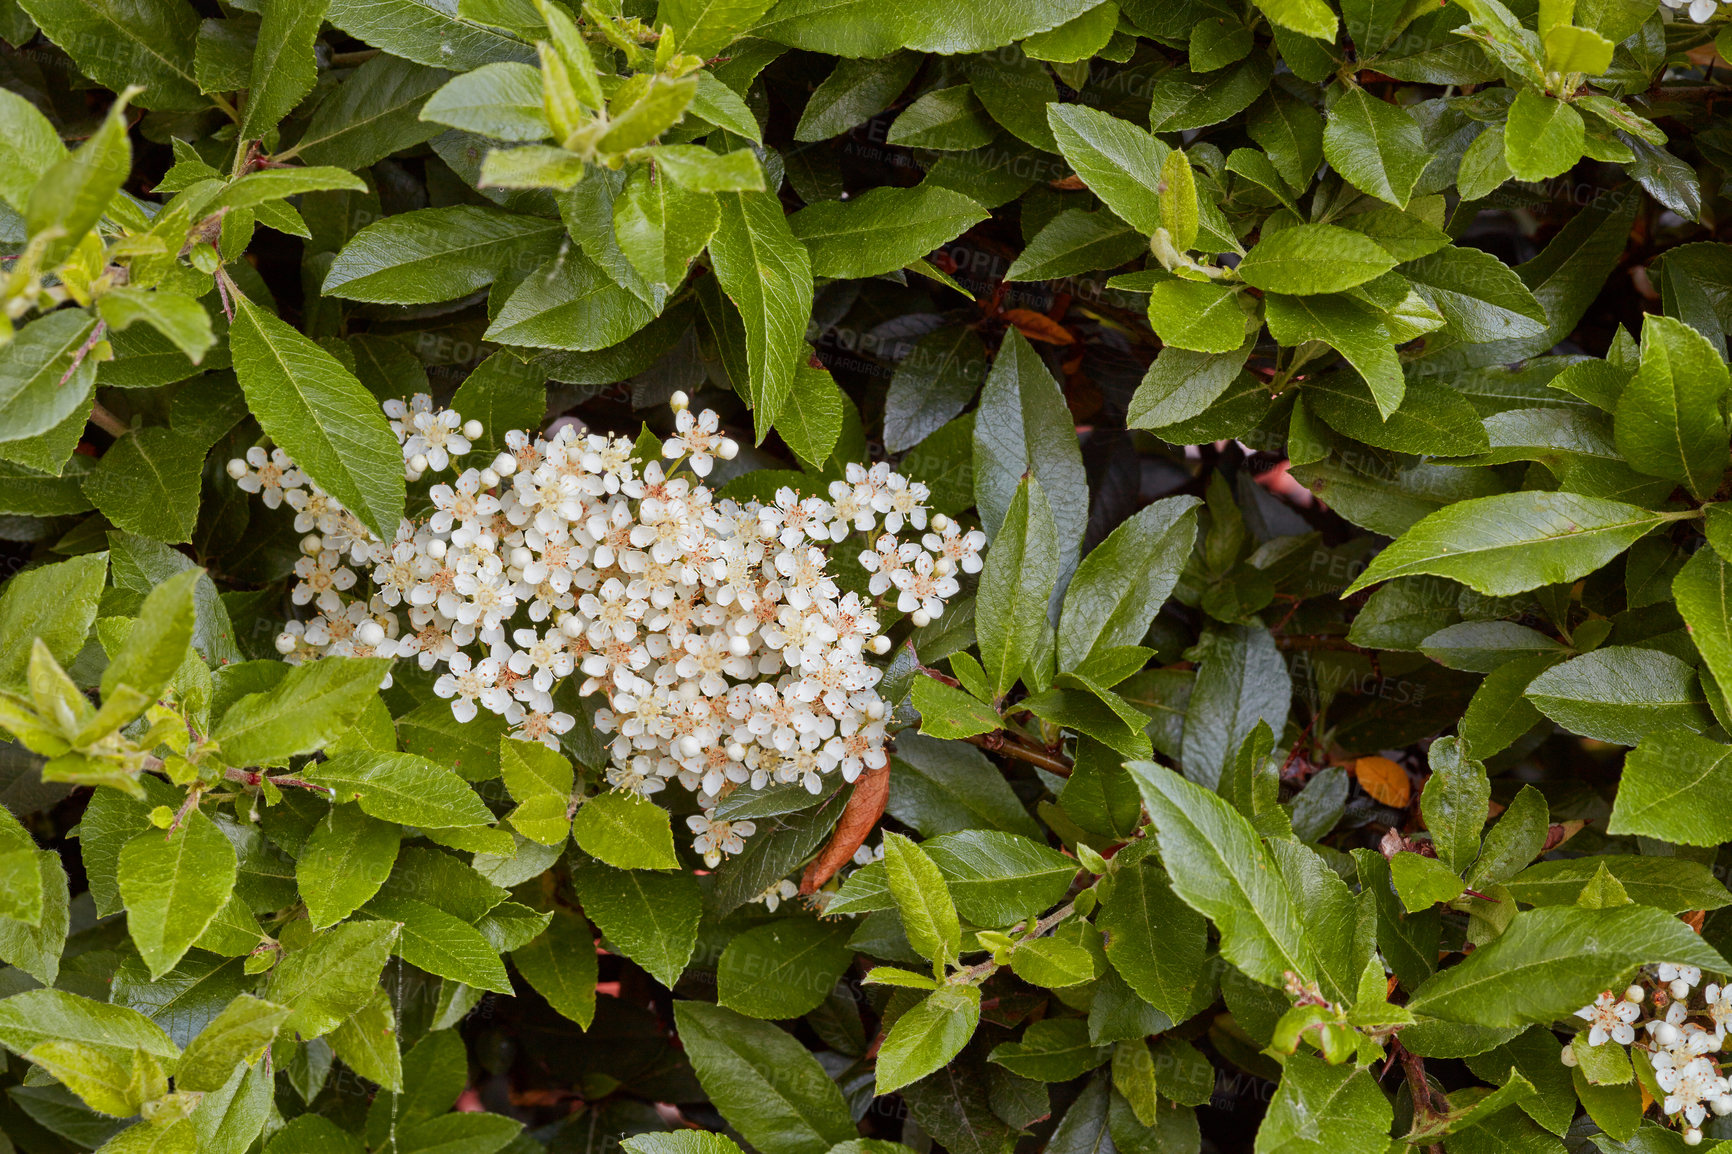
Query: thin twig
x=108 y=422
x=84 y=351
x=1000 y=742
x=253 y=777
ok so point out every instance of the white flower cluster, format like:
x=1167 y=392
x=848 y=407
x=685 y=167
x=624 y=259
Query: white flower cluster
x=1678 y=1047
x=715 y=630
x=1701 y=11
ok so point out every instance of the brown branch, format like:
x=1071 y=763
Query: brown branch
x=999 y=741
x=108 y=422
x=253 y=777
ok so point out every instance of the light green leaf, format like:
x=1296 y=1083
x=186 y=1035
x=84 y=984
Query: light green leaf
x=173 y=885
x=927 y=1036
x=927 y=911
x=33 y=365
x=117 y=43
x=427 y=32
x=1668 y=422
x=661 y=225
x=883 y=229
x=626 y=831
x=650 y=917
x=344 y=862
x=1543 y=137
x=1314 y=258
x=237 y=1036
x=1120 y=162
x=311 y=705
x=501 y=100
x=561 y=966
x=1120 y=586
x=1376 y=146
x=569 y=303
x=767 y=273
x=435 y=254
x=284 y=67
x=1620 y=694
x=401 y=787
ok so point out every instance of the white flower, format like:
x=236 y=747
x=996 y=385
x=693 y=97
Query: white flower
x=271 y=475
x=1610 y=1017
x=715 y=631
x=777 y=893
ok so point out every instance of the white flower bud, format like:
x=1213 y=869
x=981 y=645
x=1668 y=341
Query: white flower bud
x=1666 y=1034
x=739 y=646
x=436 y=549
x=737 y=752
x=875 y=709
x=690 y=746
x=285 y=643
x=1692 y=1135
x=521 y=557
x=921 y=618
x=881 y=644
x=940 y=522
x=1680 y=989
x=1568 y=1055
x=505 y=464
x=311 y=544
x=472 y=429
x=418 y=463
x=237 y=468
x=1722 y=1105
x=1635 y=994
x=489 y=478
x=727 y=448
x=944 y=567
x=371 y=633
x=679 y=402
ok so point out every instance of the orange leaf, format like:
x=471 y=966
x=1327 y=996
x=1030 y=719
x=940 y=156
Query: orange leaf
x=859 y=817
x=1039 y=327
x=1384 y=780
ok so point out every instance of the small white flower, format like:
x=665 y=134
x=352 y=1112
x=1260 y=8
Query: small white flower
x=1610 y=1018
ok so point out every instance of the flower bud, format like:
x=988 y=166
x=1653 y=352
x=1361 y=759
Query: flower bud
x=1568 y=1054
x=1680 y=989
x=736 y=751
x=285 y=643
x=472 y=429
x=1635 y=994
x=505 y=464
x=1692 y=1135
x=436 y=548
x=489 y=478
x=727 y=448
x=679 y=402
x=370 y=634
x=880 y=644
x=311 y=544
x=1666 y=1034
x=237 y=468
x=921 y=618
x=418 y=463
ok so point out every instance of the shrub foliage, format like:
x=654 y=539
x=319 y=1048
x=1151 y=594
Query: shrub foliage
x=1331 y=752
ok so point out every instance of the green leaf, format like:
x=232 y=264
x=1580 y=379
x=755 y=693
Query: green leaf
x=783 y=969
x=344 y=862
x=36 y=1016
x=237 y=1036
x=883 y=229
x=1052 y=962
x=442 y=944
x=317 y=411
x=927 y=1036
x=1120 y=162
x=855 y=91
x=1483 y=299
x=1550 y=962
x=35 y=944
x=1376 y=146
x=1201 y=316
x=1423 y=882
x=1242 y=682
x=560 y=965
x=927 y=910
x=1306 y=259
x=661 y=225
x=105 y=1085
x=1219 y=867
x=33 y=365
x=1513 y=542
x=1123 y=582
x=502 y=101
x=284 y=67
x=436 y=254
x=1668 y=421
x=1074 y=242
x=29 y=147
x=569 y=303
x=652 y=918
x=176 y=316
x=1023 y=426
x=932 y=384
x=1672 y=789
x=1357 y=330
x=1670 y=884
x=173 y=885
x=1320 y=1108
x=427 y=32
x=626 y=831
x=1156 y=942
x=1307 y=17
x=997 y=878
x=946 y=119
x=767 y=273
x=540 y=781
x=1010 y=610
x=949 y=712
x=313 y=704
x=148 y=483
x=947 y=786
x=372 y=114
x=331 y=977
x=117 y=43
x=766 y=1084
x=400 y=787
x=810 y=422
x=1455 y=803
x=704 y=27
x=1543 y=137
x=1620 y=694
x=1051 y=1050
